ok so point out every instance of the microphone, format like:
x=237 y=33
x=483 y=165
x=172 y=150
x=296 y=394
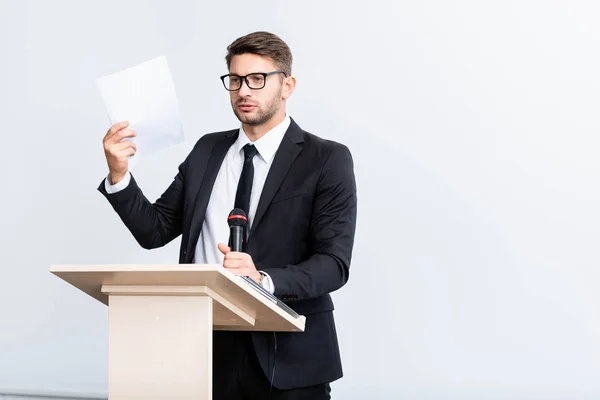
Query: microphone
x=237 y=221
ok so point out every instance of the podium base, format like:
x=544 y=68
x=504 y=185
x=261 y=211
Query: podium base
x=162 y=336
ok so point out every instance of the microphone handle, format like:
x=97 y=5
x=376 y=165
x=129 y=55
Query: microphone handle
x=236 y=238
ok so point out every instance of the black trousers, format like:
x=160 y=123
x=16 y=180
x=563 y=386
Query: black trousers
x=237 y=374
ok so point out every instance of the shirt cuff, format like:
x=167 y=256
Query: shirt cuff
x=110 y=189
x=267 y=282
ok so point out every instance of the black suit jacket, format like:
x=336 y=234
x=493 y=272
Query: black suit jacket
x=302 y=236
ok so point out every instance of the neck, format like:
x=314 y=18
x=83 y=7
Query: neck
x=255 y=132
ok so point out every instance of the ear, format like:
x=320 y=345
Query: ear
x=289 y=84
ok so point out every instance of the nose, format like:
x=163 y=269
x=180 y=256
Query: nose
x=244 y=90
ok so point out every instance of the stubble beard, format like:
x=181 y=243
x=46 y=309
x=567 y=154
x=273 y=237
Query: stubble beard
x=262 y=115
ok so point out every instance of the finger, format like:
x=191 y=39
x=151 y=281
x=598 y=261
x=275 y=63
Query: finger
x=121 y=149
x=223 y=249
x=123 y=153
x=119 y=136
x=237 y=255
x=235 y=264
x=125 y=144
x=240 y=271
x=123 y=134
x=116 y=128
x=129 y=152
x=234 y=271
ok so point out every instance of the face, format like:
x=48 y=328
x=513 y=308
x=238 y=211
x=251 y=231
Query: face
x=256 y=107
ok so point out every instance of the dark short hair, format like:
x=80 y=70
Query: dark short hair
x=262 y=44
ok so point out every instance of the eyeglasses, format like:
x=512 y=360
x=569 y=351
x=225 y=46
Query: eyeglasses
x=255 y=81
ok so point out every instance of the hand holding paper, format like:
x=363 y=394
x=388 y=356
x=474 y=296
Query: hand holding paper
x=117 y=150
x=145 y=97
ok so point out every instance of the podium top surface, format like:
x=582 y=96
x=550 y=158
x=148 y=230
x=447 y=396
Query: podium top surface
x=230 y=292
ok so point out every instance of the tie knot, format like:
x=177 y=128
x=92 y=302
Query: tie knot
x=250 y=151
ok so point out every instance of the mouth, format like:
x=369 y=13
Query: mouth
x=246 y=107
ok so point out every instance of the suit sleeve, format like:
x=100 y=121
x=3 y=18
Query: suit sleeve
x=151 y=224
x=332 y=234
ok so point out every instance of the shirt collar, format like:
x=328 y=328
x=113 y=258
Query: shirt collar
x=268 y=144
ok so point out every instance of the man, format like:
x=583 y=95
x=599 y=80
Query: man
x=299 y=193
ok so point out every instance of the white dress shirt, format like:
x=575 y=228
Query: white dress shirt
x=222 y=198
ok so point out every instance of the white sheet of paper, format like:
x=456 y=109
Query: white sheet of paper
x=145 y=96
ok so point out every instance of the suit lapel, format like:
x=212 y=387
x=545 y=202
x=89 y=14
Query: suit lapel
x=288 y=150
x=203 y=196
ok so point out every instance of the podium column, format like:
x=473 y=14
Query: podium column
x=160 y=342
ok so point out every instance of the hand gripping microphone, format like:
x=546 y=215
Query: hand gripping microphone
x=237 y=229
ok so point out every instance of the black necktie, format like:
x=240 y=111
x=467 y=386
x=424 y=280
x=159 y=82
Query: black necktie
x=242 y=196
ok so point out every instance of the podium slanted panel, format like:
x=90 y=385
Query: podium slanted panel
x=236 y=304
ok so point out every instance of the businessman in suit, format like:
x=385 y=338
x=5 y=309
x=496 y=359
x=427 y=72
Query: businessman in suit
x=298 y=191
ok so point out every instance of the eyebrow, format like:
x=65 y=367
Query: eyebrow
x=250 y=73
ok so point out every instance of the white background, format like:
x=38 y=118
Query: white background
x=474 y=129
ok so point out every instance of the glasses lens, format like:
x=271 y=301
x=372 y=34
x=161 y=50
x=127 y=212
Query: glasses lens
x=232 y=82
x=256 y=81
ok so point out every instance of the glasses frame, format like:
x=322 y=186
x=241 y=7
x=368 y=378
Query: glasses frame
x=245 y=79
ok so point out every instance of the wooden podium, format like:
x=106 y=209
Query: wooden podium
x=161 y=319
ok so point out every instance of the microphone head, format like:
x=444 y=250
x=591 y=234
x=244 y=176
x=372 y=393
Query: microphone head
x=237 y=217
